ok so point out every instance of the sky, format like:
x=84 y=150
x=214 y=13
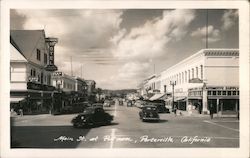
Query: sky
x=120 y=48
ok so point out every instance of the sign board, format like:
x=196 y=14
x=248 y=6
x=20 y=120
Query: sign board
x=58 y=73
x=51 y=42
x=33 y=79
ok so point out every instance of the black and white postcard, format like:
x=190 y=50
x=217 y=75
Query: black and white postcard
x=124 y=78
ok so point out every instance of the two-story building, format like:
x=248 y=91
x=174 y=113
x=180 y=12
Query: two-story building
x=208 y=77
x=31 y=68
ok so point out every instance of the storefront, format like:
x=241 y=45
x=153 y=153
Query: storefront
x=224 y=100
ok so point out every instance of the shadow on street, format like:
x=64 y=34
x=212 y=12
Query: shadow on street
x=45 y=136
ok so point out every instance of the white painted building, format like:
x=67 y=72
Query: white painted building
x=29 y=78
x=208 y=77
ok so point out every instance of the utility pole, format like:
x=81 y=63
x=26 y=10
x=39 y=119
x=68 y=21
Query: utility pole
x=206 y=28
x=71 y=66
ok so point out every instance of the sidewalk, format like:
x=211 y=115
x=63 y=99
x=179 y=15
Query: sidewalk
x=25 y=117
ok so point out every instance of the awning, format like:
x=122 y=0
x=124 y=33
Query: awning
x=176 y=99
x=16 y=100
x=157 y=96
x=180 y=98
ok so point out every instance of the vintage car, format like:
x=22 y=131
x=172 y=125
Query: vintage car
x=106 y=103
x=149 y=113
x=92 y=116
x=97 y=105
x=129 y=103
x=159 y=104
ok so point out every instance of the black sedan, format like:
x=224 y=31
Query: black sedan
x=92 y=116
x=149 y=113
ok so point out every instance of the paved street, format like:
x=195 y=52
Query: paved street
x=126 y=131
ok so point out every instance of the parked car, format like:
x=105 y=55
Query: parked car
x=129 y=103
x=160 y=105
x=139 y=103
x=106 y=103
x=92 y=116
x=149 y=113
x=97 y=105
x=121 y=102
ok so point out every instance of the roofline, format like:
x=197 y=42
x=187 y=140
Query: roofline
x=200 y=52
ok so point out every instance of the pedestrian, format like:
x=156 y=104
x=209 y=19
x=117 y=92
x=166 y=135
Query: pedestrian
x=21 y=112
x=199 y=107
x=175 y=110
x=211 y=111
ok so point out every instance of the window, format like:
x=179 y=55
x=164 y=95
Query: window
x=34 y=72
x=192 y=73
x=38 y=54
x=188 y=74
x=182 y=77
x=38 y=76
x=234 y=92
x=209 y=93
x=214 y=92
x=45 y=59
x=229 y=93
x=224 y=92
x=219 y=92
x=31 y=72
x=201 y=72
x=197 y=72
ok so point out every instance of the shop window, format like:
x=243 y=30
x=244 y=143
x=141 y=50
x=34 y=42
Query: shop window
x=229 y=93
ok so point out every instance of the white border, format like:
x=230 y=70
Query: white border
x=243 y=151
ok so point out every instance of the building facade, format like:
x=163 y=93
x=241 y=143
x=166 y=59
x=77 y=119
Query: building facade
x=30 y=80
x=208 y=78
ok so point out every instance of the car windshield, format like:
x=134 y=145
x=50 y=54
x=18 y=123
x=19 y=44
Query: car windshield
x=97 y=104
x=88 y=110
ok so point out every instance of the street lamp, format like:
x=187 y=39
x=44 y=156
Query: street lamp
x=172 y=83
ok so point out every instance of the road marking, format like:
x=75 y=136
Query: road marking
x=221 y=125
x=112 y=138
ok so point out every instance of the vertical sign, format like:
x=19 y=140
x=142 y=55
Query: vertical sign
x=51 y=42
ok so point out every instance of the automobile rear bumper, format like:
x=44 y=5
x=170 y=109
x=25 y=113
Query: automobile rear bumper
x=150 y=118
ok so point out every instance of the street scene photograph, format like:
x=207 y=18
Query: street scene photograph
x=124 y=78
